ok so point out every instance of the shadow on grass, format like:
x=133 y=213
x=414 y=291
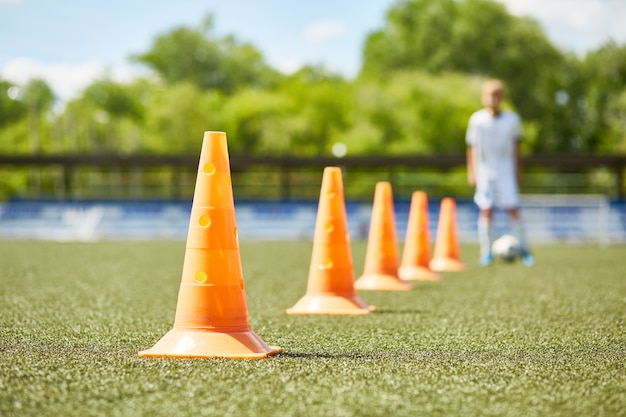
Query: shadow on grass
x=360 y=355
x=326 y=355
x=401 y=311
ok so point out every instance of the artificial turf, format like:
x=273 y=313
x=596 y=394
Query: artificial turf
x=500 y=341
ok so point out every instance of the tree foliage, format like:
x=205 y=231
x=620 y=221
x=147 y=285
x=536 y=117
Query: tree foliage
x=192 y=55
x=418 y=85
x=604 y=104
x=11 y=109
x=177 y=116
x=413 y=112
x=478 y=38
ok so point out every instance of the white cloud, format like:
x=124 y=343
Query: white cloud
x=65 y=80
x=289 y=66
x=577 y=25
x=323 y=30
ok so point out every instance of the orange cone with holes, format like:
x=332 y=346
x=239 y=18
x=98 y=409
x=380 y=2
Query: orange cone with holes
x=447 y=255
x=416 y=255
x=212 y=314
x=381 y=258
x=330 y=288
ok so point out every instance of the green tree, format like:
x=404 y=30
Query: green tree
x=194 y=55
x=416 y=35
x=38 y=97
x=604 y=107
x=177 y=116
x=114 y=103
x=479 y=38
x=412 y=112
x=11 y=108
x=322 y=112
x=13 y=126
x=107 y=117
x=13 y=120
x=256 y=122
x=304 y=115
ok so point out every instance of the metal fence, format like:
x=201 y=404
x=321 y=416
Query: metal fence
x=289 y=178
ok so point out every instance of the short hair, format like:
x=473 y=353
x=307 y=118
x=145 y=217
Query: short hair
x=492 y=86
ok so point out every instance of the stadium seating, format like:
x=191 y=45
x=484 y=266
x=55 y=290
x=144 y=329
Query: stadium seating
x=548 y=219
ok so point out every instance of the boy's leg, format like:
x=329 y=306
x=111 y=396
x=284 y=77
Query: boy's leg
x=519 y=231
x=485 y=236
x=484 y=199
x=509 y=197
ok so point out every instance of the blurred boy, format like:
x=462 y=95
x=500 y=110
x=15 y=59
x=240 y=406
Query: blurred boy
x=494 y=168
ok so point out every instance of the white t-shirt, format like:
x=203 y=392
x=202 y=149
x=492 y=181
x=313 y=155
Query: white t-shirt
x=494 y=141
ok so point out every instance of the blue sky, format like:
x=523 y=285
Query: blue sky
x=71 y=42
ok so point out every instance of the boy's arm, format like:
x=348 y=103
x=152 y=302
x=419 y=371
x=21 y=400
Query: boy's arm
x=518 y=162
x=518 y=152
x=471 y=175
x=470 y=140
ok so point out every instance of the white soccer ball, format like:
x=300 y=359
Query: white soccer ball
x=506 y=248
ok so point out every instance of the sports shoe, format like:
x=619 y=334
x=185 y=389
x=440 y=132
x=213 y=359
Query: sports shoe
x=527 y=258
x=486 y=260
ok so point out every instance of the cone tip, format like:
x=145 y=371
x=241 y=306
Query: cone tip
x=332 y=170
x=214 y=134
x=215 y=140
x=332 y=178
x=448 y=200
x=383 y=189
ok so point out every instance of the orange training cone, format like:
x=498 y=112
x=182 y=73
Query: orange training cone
x=212 y=314
x=381 y=259
x=416 y=254
x=447 y=251
x=330 y=289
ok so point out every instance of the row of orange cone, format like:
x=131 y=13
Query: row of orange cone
x=212 y=315
x=331 y=288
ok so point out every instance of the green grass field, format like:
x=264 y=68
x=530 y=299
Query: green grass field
x=501 y=341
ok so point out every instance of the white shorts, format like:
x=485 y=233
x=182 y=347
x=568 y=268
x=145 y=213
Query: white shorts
x=501 y=192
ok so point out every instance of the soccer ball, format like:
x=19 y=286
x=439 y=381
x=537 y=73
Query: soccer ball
x=506 y=248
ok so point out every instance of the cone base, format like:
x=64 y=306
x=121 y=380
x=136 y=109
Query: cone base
x=446 y=264
x=330 y=304
x=382 y=282
x=198 y=343
x=417 y=273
